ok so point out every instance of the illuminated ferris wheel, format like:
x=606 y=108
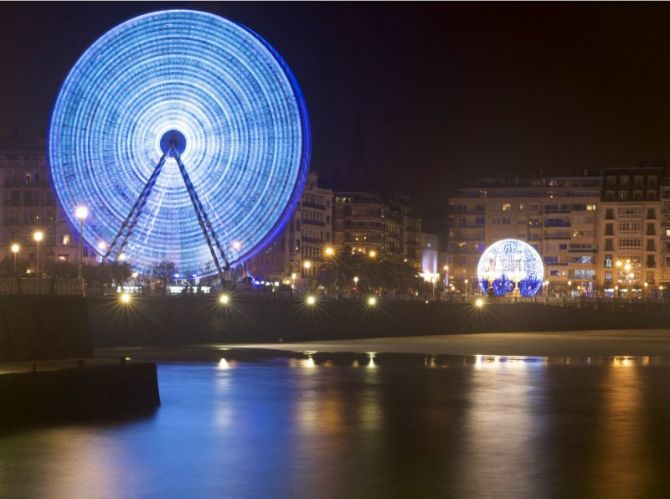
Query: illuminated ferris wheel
x=187 y=137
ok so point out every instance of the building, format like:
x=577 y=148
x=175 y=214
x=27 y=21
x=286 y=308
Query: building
x=555 y=215
x=632 y=240
x=27 y=204
x=606 y=234
x=299 y=249
x=365 y=222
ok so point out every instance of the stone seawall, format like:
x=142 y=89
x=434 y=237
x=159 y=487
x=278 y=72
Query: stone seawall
x=184 y=320
x=43 y=327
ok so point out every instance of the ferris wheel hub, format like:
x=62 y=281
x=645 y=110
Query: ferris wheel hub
x=174 y=139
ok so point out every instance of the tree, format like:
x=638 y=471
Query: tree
x=164 y=271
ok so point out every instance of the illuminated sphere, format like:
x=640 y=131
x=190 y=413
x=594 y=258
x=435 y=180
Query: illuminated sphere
x=228 y=103
x=508 y=261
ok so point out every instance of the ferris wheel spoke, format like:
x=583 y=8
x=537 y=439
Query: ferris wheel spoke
x=130 y=221
x=203 y=219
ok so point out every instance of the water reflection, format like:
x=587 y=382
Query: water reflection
x=371 y=425
x=622 y=426
x=502 y=448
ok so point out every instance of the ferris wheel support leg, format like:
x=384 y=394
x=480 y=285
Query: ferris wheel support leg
x=131 y=220
x=203 y=220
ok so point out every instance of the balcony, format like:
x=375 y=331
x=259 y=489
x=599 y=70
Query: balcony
x=313 y=222
x=315 y=206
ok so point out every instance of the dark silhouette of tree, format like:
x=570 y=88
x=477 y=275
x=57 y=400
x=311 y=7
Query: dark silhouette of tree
x=164 y=271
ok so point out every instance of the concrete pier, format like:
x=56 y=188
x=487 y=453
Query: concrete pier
x=75 y=390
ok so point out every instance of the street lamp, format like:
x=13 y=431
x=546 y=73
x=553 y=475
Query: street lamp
x=38 y=236
x=81 y=212
x=310 y=300
x=15 y=248
x=356 y=284
x=372 y=301
x=329 y=251
x=372 y=254
x=122 y=258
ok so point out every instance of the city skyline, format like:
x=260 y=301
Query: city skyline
x=457 y=91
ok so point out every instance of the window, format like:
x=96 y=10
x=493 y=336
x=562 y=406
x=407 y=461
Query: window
x=506 y=207
x=651 y=195
x=609 y=245
x=609 y=229
x=623 y=195
x=651 y=245
x=609 y=214
x=590 y=207
x=608 y=261
x=549 y=260
x=629 y=212
x=651 y=261
x=623 y=181
x=651 y=214
x=629 y=227
x=651 y=230
x=629 y=243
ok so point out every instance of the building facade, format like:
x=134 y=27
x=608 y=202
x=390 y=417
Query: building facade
x=300 y=248
x=27 y=205
x=367 y=222
x=605 y=234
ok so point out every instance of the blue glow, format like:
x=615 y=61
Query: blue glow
x=507 y=262
x=232 y=98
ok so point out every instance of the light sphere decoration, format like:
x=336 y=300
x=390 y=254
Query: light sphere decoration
x=180 y=86
x=510 y=266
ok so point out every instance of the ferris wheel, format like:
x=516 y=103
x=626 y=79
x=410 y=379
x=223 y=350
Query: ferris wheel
x=187 y=138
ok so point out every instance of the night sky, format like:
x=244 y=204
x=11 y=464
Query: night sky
x=423 y=96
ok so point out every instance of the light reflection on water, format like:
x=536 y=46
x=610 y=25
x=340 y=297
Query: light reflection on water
x=486 y=426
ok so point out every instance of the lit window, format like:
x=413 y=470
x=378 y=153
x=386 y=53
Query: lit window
x=66 y=239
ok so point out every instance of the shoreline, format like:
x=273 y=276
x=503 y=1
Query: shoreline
x=595 y=343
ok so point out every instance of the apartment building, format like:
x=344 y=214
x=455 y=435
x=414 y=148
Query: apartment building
x=299 y=249
x=365 y=221
x=555 y=215
x=632 y=239
x=27 y=204
x=606 y=234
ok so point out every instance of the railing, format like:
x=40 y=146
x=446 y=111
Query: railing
x=42 y=286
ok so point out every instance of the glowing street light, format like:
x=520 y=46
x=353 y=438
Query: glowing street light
x=479 y=303
x=81 y=213
x=329 y=251
x=38 y=236
x=224 y=299
x=372 y=301
x=372 y=254
x=310 y=300
x=125 y=298
x=307 y=264
x=15 y=248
